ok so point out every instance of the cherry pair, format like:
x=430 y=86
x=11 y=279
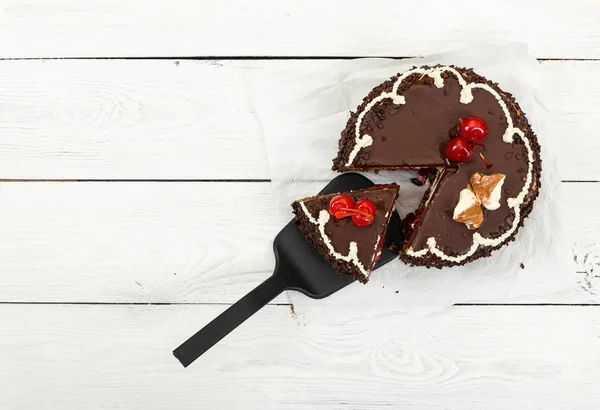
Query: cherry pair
x=362 y=212
x=471 y=133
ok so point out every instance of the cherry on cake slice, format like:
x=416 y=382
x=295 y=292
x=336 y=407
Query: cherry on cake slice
x=348 y=229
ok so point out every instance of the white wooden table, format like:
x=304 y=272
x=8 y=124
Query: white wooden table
x=123 y=125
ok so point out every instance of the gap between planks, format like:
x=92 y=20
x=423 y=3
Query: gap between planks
x=136 y=180
x=250 y=58
x=269 y=304
x=566 y=181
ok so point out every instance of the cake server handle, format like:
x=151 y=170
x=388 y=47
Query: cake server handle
x=234 y=316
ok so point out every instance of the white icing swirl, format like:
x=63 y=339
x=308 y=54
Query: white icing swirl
x=466 y=97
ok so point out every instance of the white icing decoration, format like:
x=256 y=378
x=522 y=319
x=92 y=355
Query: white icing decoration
x=376 y=248
x=420 y=253
x=466 y=96
x=494 y=202
x=433 y=248
x=361 y=143
x=353 y=247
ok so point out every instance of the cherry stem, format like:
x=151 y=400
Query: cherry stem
x=487 y=166
x=357 y=212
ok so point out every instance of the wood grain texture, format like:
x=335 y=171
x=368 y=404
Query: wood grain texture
x=112 y=28
x=119 y=357
x=175 y=242
x=115 y=119
x=134 y=242
x=156 y=119
x=569 y=115
x=197 y=242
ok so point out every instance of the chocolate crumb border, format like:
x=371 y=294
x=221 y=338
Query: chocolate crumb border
x=347 y=142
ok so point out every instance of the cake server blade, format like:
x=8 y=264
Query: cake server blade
x=298 y=267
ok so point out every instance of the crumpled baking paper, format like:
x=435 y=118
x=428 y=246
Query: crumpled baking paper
x=304 y=106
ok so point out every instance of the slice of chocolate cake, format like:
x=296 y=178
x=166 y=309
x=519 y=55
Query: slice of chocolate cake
x=476 y=136
x=348 y=229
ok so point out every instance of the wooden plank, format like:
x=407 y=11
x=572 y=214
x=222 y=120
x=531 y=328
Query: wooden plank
x=112 y=28
x=119 y=357
x=115 y=119
x=569 y=116
x=121 y=119
x=176 y=242
x=134 y=242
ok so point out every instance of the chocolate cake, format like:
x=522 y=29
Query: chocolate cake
x=474 y=205
x=348 y=229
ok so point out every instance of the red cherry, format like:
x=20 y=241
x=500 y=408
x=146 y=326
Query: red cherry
x=341 y=206
x=473 y=129
x=362 y=213
x=365 y=213
x=459 y=150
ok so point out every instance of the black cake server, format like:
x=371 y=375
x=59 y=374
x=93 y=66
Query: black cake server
x=298 y=267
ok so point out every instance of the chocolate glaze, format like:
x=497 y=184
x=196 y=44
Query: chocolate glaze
x=415 y=135
x=343 y=231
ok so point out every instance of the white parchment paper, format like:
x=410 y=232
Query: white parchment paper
x=303 y=108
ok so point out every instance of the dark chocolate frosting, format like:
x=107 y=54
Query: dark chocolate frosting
x=341 y=232
x=415 y=135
